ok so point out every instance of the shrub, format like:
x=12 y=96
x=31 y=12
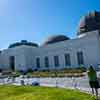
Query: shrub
x=0 y=70
x=82 y=69
x=16 y=74
x=30 y=70
x=23 y=72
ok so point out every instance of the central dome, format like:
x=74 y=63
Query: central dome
x=55 y=39
x=89 y=22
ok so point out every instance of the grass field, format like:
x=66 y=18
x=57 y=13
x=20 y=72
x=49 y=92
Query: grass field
x=40 y=93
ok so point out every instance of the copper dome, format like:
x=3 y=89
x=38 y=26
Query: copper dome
x=55 y=39
x=89 y=22
x=23 y=42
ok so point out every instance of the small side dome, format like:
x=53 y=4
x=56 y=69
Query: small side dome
x=89 y=22
x=55 y=39
x=23 y=42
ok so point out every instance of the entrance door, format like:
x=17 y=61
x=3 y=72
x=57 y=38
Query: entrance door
x=12 y=63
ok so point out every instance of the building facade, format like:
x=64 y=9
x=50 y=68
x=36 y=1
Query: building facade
x=57 y=52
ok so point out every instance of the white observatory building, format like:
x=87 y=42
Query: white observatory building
x=57 y=52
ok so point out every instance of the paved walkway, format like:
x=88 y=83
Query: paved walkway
x=80 y=83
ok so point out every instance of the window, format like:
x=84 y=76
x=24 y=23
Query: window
x=38 y=62
x=12 y=62
x=46 y=60
x=80 y=58
x=56 y=61
x=67 y=60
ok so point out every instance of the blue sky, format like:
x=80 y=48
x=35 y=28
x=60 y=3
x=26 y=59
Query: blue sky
x=35 y=20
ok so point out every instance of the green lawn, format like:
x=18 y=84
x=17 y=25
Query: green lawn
x=40 y=93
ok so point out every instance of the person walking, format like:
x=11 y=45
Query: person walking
x=94 y=84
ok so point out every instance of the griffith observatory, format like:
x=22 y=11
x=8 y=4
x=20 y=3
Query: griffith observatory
x=59 y=51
